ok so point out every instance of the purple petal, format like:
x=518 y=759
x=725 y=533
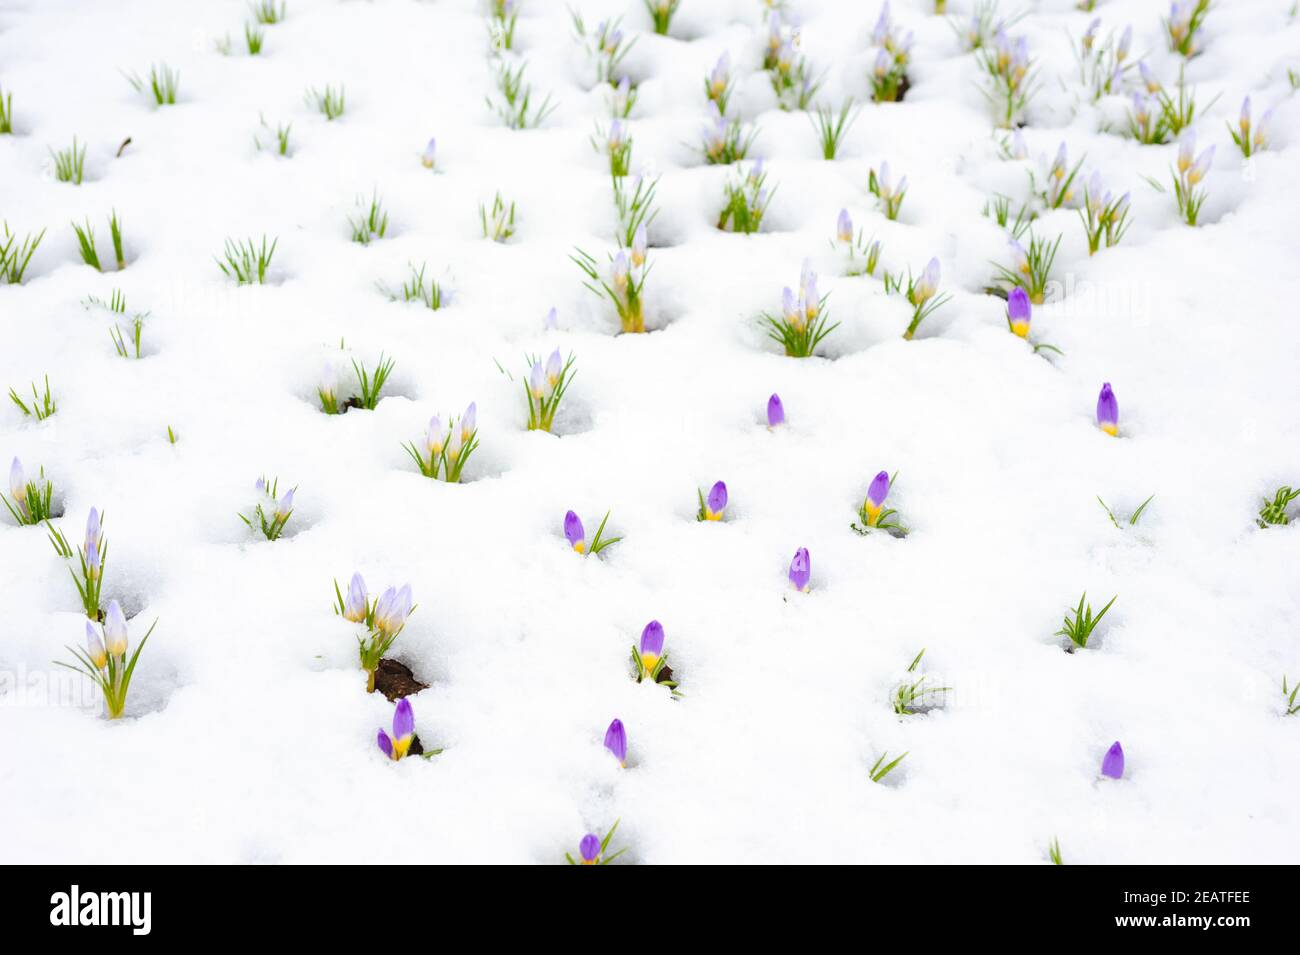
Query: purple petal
x=573 y=530
x=385 y=744
x=775 y=411
x=616 y=741
x=717 y=501
x=1018 y=307
x=801 y=569
x=1107 y=407
x=1112 y=763
x=403 y=719
x=879 y=489
x=652 y=639
x=589 y=847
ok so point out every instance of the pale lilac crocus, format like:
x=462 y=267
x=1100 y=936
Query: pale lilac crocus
x=589 y=849
x=469 y=421
x=551 y=321
x=1186 y=151
x=17 y=481
x=620 y=271
x=801 y=570
x=356 y=606
x=876 y=495
x=1148 y=78
x=430 y=153
x=790 y=307
x=115 y=630
x=392 y=609
x=1112 y=764
x=775 y=411
x=927 y=284
x=554 y=365
x=397 y=746
x=574 y=532
x=1019 y=311
x=284 y=506
x=652 y=645
x=1201 y=166
x=95 y=647
x=721 y=76
x=640 y=242
x=616 y=741
x=1108 y=410
x=537 y=386
x=844 y=227
x=435 y=437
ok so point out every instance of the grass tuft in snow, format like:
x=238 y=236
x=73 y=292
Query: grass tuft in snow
x=913 y=696
x=804 y=319
x=593 y=850
x=1273 y=512
x=162 y=85
x=104 y=659
x=129 y=343
x=281 y=134
x=998 y=208
x=43 y=404
x=1079 y=622
x=890 y=194
x=172 y=436
x=747 y=199
x=1132 y=518
x=416 y=289
x=70 y=163
x=329 y=102
x=16 y=256
x=1032 y=267
x=1054 y=852
x=86 y=244
x=880 y=769
x=6 y=112
x=267 y=11
x=448 y=451
x=254 y=38
x=115 y=232
x=272 y=512
x=247 y=263
x=502 y=19
x=370 y=384
x=32 y=499
x=831 y=126
x=545 y=387
x=1290 y=704
x=372 y=223
x=515 y=99
x=624 y=281
x=498 y=221
x=635 y=207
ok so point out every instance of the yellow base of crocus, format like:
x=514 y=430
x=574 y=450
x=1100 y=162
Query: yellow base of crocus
x=1020 y=328
x=1110 y=429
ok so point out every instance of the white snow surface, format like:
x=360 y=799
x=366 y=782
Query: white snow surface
x=248 y=736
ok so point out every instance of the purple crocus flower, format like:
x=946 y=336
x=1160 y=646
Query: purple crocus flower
x=469 y=422
x=716 y=503
x=616 y=741
x=385 y=744
x=801 y=570
x=1112 y=764
x=574 y=533
x=844 y=227
x=356 y=606
x=92 y=531
x=396 y=746
x=775 y=411
x=589 y=849
x=1019 y=311
x=115 y=629
x=652 y=646
x=430 y=153
x=876 y=495
x=1108 y=411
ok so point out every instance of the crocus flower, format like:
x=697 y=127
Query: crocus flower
x=844 y=227
x=720 y=76
x=551 y=321
x=652 y=645
x=876 y=495
x=1112 y=764
x=1148 y=78
x=357 y=603
x=17 y=481
x=430 y=151
x=396 y=746
x=554 y=365
x=1201 y=166
x=469 y=421
x=775 y=411
x=392 y=609
x=574 y=533
x=455 y=443
x=716 y=503
x=284 y=506
x=1108 y=411
x=92 y=563
x=92 y=531
x=616 y=741
x=589 y=849
x=1090 y=35
x=884 y=63
x=95 y=647
x=1018 y=148
x=639 y=243
x=927 y=284
x=435 y=438
x=1125 y=42
x=620 y=271
x=537 y=385
x=801 y=570
x=1019 y=311
x=1186 y=151
x=115 y=630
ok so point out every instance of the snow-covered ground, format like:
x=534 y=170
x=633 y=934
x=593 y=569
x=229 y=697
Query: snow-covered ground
x=248 y=734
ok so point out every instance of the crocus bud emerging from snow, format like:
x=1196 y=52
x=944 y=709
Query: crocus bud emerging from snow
x=1148 y=78
x=1018 y=148
x=927 y=284
x=469 y=421
x=616 y=741
x=789 y=308
x=652 y=645
x=285 y=504
x=775 y=411
x=620 y=270
x=356 y=605
x=115 y=630
x=392 y=609
x=537 y=381
x=1019 y=311
x=1186 y=151
x=716 y=503
x=95 y=647
x=435 y=438
x=1112 y=764
x=801 y=570
x=17 y=481
x=1201 y=166
x=844 y=227
x=430 y=152
x=639 y=243
x=551 y=321
x=1125 y=42
x=454 y=444
x=574 y=533
x=1107 y=411
x=589 y=849
x=876 y=495
x=553 y=367
x=397 y=746
x=92 y=531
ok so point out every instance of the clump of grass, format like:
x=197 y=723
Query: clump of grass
x=15 y=256
x=281 y=133
x=998 y=209
x=86 y=244
x=370 y=384
x=70 y=163
x=1133 y=518
x=880 y=769
x=163 y=83
x=266 y=11
x=831 y=126
x=329 y=102
x=515 y=103
x=6 y=112
x=245 y=262
x=1274 y=512
x=1080 y=622
x=129 y=343
x=416 y=289
x=502 y=19
x=1292 y=707
x=661 y=12
x=498 y=222
x=254 y=38
x=372 y=224
x=43 y=404
x=1054 y=852
x=910 y=697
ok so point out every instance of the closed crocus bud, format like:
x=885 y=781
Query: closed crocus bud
x=430 y=152
x=385 y=744
x=789 y=307
x=1261 y=130
x=927 y=284
x=260 y=485
x=1125 y=42
x=95 y=647
x=883 y=181
x=1019 y=311
x=1243 y=119
x=616 y=741
x=720 y=76
x=812 y=303
x=652 y=645
x=1060 y=163
x=469 y=421
x=1108 y=410
x=617 y=132
x=92 y=563
x=537 y=385
x=1186 y=151
x=716 y=503
x=1019 y=256
x=455 y=444
x=1112 y=764
x=574 y=533
x=1148 y=78
x=1018 y=148
x=620 y=270
x=775 y=411
x=1201 y=166
x=801 y=570
x=639 y=244
x=285 y=504
x=876 y=495
x=551 y=321
x=115 y=629
x=402 y=605
x=403 y=728
x=435 y=437
x=357 y=605
x=554 y=364
x=17 y=480
x=844 y=227
x=92 y=531
x=589 y=849
x=1090 y=35
x=884 y=63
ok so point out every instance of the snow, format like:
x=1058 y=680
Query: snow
x=249 y=737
